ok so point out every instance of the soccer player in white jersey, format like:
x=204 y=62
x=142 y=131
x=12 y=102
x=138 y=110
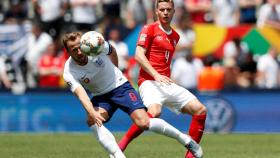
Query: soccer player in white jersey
x=110 y=91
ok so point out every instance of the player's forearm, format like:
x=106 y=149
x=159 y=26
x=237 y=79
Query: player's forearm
x=144 y=62
x=88 y=107
x=85 y=100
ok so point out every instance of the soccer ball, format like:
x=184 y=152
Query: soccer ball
x=92 y=43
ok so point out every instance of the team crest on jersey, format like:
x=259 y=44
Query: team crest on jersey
x=160 y=38
x=86 y=80
x=143 y=37
x=99 y=62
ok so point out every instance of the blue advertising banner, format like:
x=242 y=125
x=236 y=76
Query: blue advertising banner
x=243 y=111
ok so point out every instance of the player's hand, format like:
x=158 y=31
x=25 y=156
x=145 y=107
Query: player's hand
x=163 y=79
x=97 y=118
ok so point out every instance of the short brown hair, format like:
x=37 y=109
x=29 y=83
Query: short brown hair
x=168 y=1
x=70 y=37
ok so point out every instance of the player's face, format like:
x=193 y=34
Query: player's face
x=75 y=51
x=165 y=12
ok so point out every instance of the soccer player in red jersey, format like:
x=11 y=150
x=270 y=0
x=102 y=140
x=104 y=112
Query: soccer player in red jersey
x=154 y=51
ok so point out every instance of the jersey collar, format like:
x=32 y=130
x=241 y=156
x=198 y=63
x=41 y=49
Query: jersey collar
x=167 y=32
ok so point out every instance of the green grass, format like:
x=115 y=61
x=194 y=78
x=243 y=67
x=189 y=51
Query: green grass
x=147 y=146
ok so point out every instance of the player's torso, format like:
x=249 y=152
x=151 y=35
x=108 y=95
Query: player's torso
x=161 y=50
x=99 y=76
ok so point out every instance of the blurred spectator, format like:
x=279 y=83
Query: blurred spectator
x=226 y=13
x=118 y=24
x=139 y=12
x=248 y=69
x=186 y=67
x=112 y=9
x=248 y=10
x=235 y=49
x=64 y=55
x=239 y=66
x=51 y=14
x=50 y=68
x=113 y=19
x=269 y=14
x=4 y=79
x=232 y=72
x=17 y=13
x=38 y=43
x=185 y=70
x=187 y=36
x=211 y=78
x=11 y=76
x=180 y=10
x=121 y=48
x=84 y=14
x=268 y=70
x=1 y=12
x=199 y=10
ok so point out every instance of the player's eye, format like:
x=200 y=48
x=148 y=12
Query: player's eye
x=75 y=50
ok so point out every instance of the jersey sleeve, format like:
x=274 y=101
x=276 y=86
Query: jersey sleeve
x=71 y=81
x=145 y=36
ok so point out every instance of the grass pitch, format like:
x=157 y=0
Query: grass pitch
x=146 y=146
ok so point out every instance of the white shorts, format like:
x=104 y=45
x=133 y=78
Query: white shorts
x=172 y=96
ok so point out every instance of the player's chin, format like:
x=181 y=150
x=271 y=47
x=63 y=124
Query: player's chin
x=82 y=58
x=165 y=21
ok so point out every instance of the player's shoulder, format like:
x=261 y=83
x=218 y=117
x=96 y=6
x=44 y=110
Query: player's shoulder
x=67 y=64
x=66 y=68
x=150 y=26
x=70 y=67
x=175 y=33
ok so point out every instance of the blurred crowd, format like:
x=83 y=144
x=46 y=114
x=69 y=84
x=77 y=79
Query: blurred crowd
x=42 y=64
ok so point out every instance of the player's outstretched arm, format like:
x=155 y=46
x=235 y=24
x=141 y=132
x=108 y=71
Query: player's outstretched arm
x=143 y=61
x=85 y=101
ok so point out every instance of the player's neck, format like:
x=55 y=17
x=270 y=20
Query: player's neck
x=165 y=27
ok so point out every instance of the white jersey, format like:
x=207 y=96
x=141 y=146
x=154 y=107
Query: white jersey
x=99 y=75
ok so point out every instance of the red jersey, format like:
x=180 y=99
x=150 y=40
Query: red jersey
x=160 y=47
